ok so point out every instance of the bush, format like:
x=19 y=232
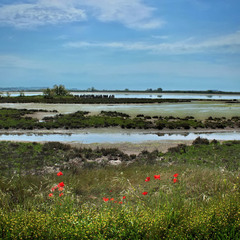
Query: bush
x=180 y=148
x=200 y=141
x=56 y=145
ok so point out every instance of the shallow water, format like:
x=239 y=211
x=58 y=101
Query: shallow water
x=199 y=110
x=108 y=137
x=146 y=95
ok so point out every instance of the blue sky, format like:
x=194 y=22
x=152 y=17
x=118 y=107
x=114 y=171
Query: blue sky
x=118 y=44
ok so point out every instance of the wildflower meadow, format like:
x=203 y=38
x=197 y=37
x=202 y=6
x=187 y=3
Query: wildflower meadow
x=181 y=200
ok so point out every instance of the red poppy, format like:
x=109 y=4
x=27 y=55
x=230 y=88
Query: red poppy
x=124 y=197
x=175 y=180
x=60 y=174
x=112 y=199
x=50 y=195
x=60 y=194
x=61 y=184
x=147 y=179
x=54 y=188
x=175 y=175
x=120 y=202
x=157 y=177
x=144 y=193
x=105 y=199
x=115 y=201
x=60 y=189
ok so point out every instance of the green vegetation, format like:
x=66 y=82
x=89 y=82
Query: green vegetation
x=17 y=119
x=56 y=91
x=49 y=97
x=96 y=99
x=107 y=202
x=35 y=158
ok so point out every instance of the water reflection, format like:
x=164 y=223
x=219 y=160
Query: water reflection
x=143 y=95
x=88 y=137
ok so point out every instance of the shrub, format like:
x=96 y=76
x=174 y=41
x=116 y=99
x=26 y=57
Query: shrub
x=180 y=148
x=200 y=141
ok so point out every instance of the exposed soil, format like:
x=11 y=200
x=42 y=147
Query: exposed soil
x=136 y=148
x=41 y=115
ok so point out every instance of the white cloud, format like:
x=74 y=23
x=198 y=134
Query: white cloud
x=133 y=14
x=228 y=44
x=40 y=13
x=222 y=41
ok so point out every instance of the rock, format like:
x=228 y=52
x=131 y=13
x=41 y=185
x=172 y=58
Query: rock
x=114 y=162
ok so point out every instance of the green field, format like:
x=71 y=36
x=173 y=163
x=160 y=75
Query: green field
x=99 y=201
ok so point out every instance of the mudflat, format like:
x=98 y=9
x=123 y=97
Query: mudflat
x=136 y=148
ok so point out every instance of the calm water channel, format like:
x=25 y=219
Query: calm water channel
x=146 y=95
x=108 y=137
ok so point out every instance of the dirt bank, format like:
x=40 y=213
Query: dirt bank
x=136 y=148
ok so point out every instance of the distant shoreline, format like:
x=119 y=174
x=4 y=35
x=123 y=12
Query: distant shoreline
x=212 y=92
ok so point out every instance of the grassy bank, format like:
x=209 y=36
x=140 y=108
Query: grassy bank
x=17 y=119
x=196 y=195
x=39 y=159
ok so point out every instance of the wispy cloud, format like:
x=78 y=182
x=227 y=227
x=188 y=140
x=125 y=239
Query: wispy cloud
x=228 y=43
x=133 y=14
x=162 y=37
x=28 y=15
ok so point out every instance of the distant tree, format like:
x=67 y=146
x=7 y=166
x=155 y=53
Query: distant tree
x=48 y=93
x=159 y=89
x=126 y=90
x=55 y=91
x=21 y=94
x=60 y=90
x=91 y=89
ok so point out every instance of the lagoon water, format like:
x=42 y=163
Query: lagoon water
x=199 y=110
x=108 y=137
x=147 y=95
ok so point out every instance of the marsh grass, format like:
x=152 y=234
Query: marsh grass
x=203 y=204
x=19 y=119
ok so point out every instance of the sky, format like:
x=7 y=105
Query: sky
x=119 y=44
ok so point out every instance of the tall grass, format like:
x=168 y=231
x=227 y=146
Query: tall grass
x=203 y=204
